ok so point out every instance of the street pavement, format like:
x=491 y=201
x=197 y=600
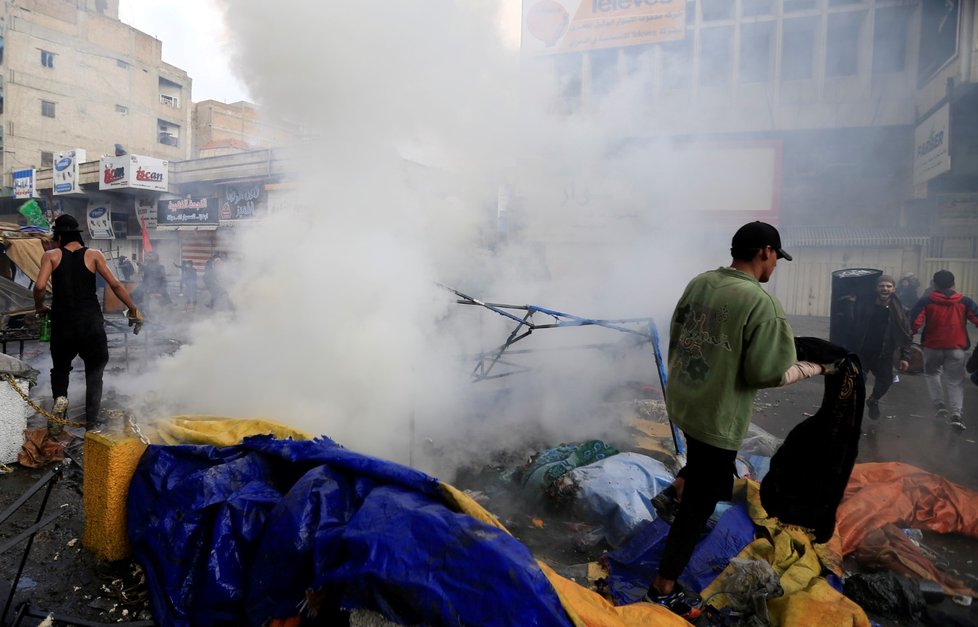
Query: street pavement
x=907 y=431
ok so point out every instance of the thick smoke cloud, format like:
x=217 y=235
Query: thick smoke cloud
x=423 y=123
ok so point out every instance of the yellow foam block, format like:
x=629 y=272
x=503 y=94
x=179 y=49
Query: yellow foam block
x=110 y=461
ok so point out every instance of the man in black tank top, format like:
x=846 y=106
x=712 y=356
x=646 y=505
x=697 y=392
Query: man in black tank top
x=77 y=326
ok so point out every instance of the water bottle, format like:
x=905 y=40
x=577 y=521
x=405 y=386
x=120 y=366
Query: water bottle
x=44 y=333
x=915 y=535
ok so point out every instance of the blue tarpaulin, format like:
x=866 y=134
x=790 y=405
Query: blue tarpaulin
x=238 y=535
x=632 y=567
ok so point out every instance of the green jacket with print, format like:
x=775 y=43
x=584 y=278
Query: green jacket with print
x=728 y=338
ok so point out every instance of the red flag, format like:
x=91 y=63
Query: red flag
x=147 y=245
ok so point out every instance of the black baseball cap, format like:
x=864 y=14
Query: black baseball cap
x=757 y=235
x=66 y=224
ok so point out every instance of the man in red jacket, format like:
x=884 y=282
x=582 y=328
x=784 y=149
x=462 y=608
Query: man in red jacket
x=944 y=314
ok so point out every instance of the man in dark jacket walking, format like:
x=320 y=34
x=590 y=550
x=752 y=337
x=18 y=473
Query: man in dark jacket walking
x=943 y=314
x=879 y=328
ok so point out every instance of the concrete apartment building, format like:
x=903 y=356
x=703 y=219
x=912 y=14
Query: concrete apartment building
x=74 y=76
x=863 y=111
x=222 y=129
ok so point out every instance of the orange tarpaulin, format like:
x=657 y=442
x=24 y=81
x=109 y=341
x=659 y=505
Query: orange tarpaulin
x=890 y=549
x=906 y=496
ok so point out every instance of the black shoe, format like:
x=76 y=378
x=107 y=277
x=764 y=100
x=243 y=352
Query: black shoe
x=666 y=504
x=677 y=603
x=940 y=411
x=957 y=423
x=874 y=408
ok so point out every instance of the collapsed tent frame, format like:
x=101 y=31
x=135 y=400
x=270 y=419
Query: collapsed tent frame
x=486 y=362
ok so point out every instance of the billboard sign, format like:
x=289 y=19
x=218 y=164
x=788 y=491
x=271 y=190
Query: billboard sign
x=65 y=172
x=190 y=211
x=241 y=202
x=146 y=210
x=25 y=184
x=100 y=220
x=559 y=26
x=931 y=155
x=133 y=172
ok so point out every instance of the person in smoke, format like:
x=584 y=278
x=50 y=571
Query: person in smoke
x=907 y=290
x=188 y=283
x=942 y=317
x=878 y=328
x=126 y=268
x=214 y=280
x=77 y=326
x=728 y=338
x=153 y=281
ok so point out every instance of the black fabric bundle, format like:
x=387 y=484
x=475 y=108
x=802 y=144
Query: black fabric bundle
x=810 y=470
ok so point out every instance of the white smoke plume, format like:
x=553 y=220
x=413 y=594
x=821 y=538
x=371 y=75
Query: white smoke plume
x=423 y=123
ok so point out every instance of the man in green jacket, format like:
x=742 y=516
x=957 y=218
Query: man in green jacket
x=728 y=338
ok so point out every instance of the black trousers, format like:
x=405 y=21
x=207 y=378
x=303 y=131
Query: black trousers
x=882 y=369
x=709 y=473
x=81 y=337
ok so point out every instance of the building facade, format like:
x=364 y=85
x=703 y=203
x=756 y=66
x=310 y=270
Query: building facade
x=870 y=105
x=75 y=77
x=220 y=128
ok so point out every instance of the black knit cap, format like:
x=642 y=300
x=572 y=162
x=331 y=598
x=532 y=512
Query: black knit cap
x=757 y=235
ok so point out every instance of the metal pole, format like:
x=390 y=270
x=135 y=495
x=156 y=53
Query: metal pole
x=663 y=379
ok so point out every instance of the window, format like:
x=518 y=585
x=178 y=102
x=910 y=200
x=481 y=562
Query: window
x=717 y=10
x=123 y=109
x=677 y=63
x=755 y=52
x=793 y=6
x=47 y=58
x=47 y=159
x=798 y=49
x=890 y=39
x=715 y=55
x=842 y=45
x=568 y=70
x=938 y=36
x=604 y=70
x=753 y=8
x=47 y=108
x=169 y=133
x=170 y=101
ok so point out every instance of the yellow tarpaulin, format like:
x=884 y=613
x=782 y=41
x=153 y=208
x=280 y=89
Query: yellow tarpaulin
x=808 y=598
x=221 y=431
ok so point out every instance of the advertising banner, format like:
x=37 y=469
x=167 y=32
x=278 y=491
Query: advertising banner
x=931 y=156
x=134 y=172
x=100 y=220
x=65 y=172
x=146 y=210
x=559 y=26
x=188 y=211
x=241 y=202
x=25 y=183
